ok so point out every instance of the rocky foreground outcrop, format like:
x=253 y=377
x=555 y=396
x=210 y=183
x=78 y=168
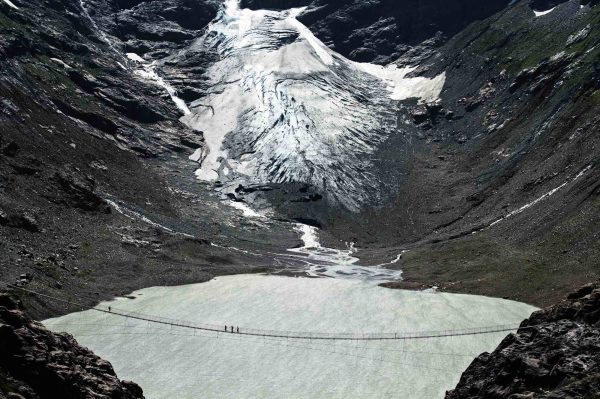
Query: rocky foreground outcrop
x=36 y=363
x=554 y=354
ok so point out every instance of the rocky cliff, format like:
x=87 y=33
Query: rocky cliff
x=554 y=354
x=381 y=31
x=38 y=364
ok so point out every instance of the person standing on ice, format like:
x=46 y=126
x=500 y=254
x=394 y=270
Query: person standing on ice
x=238 y=329
x=225 y=327
x=232 y=329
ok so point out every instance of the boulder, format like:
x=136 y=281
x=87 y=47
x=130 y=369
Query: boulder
x=78 y=190
x=19 y=219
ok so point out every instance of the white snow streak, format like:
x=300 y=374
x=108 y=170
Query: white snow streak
x=322 y=51
x=543 y=197
x=246 y=210
x=541 y=13
x=147 y=71
x=99 y=31
x=11 y=4
x=61 y=62
x=138 y=216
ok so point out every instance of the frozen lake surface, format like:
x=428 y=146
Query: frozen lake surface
x=178 y=363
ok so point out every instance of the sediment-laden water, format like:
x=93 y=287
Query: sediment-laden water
x=171 y=362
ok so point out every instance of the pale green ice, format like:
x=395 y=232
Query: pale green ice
x=178 y=363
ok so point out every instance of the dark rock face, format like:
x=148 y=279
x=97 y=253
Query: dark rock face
x=547 y=72
x=36 y=363
x=543 y=5
x=153 y=25
x=382 y=30
x=79 y=190
x=554 y=354
x=20 y=220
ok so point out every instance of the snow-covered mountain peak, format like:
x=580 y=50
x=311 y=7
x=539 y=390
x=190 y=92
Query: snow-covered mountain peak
x=283 y=107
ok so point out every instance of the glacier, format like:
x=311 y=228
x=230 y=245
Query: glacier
x=284 y=108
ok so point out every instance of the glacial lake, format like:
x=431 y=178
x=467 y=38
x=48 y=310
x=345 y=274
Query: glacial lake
x=176 y=362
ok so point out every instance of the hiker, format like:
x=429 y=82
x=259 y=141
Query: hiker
x=238 y=330
x=225 y=327
x=109 y=309
x=231 y=328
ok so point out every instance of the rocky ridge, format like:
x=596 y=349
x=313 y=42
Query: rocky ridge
x=36 y=363
x=554 y=354
x=383 y=30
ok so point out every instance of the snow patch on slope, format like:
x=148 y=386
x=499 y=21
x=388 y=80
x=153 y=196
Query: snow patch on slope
x=11 y=4
x=246 y=210
x=542 y=13
x=147 y=70
x=402 y=87
x=285 y=108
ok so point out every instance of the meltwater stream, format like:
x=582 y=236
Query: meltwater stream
x=316 y=260
x=171 y=362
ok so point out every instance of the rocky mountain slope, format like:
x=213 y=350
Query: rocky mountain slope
x=38 y=364
x=554 y=354
x=501 y=177
x=92 y=155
